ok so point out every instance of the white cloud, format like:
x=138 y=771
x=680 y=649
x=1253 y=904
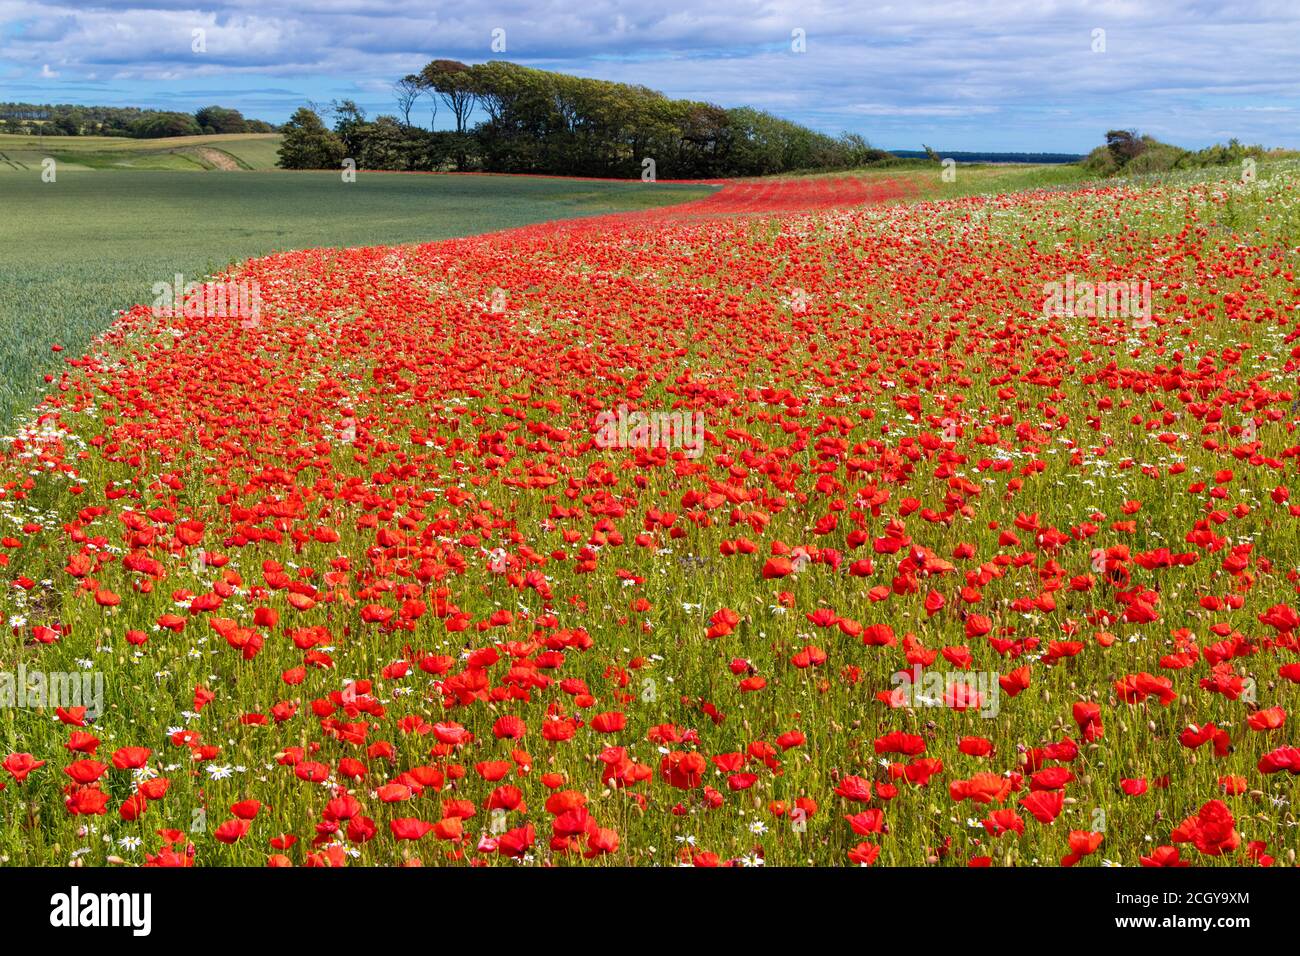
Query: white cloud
x=933 y=67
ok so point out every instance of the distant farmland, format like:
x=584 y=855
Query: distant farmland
x=246 y=151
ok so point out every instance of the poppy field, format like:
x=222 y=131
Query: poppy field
x=81 y=248
x=809 y=523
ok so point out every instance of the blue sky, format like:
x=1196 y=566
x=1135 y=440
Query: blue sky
x=957 y=75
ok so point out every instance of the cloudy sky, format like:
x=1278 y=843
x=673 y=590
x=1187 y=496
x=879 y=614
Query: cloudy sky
x=1048 y=75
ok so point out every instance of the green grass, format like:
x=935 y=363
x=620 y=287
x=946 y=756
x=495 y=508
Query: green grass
x=985 y=179
x=91 y=243
x=255 y=151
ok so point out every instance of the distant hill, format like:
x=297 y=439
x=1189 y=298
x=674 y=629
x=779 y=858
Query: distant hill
x=216 y=152
x=976 y=157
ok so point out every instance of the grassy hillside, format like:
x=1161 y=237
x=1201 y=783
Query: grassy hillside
x=221 y=151
x=78 y=249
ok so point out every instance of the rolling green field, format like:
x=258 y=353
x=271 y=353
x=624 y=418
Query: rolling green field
x=93 y=242
x=224 y=151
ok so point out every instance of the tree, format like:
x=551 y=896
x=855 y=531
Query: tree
x=1124 y=144
x=158 y=125
x=860 y=152
x=219 y=119
x=543 y=122
x=451 y=81
x=350 y=125
x=384 y=145
x=406 y=91
x=307 y=144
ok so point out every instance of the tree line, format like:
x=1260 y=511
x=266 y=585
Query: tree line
x=507 y=118
x=66 y=119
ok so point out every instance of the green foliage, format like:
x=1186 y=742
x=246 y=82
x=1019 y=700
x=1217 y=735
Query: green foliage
x=1157 y=158
x=159 y=125
x=218 y=119
x=544 y=122
x=450 y=81
x=307 y=144
x=536 y=121
x=68 y=119
x=74 y=120
x=1100 y=162
x=1125 y=145
x=1230 y=154
x=385 y=144
x=1129 y=153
